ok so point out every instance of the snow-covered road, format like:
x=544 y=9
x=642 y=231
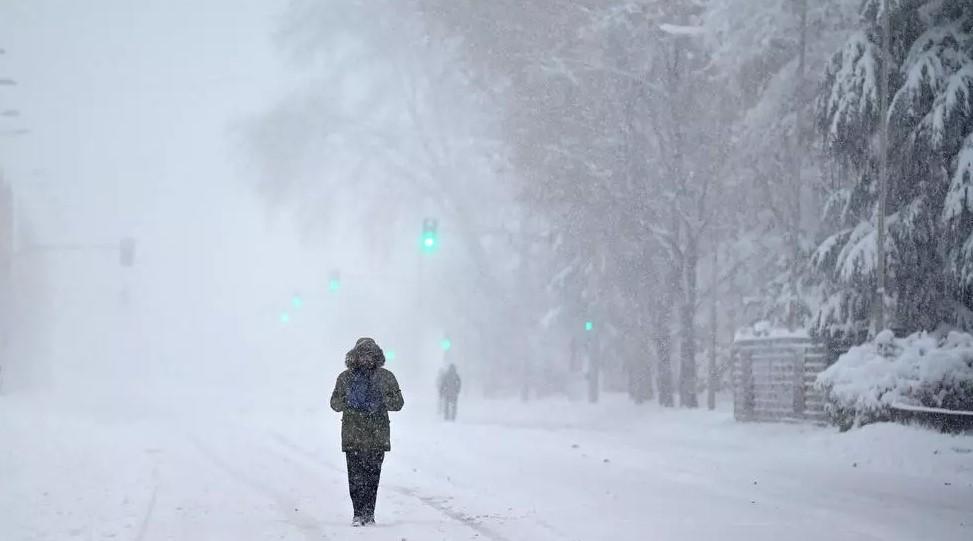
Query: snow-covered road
x=505 y=472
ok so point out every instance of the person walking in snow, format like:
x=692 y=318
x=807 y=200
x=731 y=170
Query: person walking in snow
x=441 y=404
x=364 y=394
x=449 y=386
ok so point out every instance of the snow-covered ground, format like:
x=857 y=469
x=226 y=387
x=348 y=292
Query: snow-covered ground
x=81 y=467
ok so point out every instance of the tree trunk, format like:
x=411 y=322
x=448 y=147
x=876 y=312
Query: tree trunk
x=524 y=314
x=662 y=336
x=640 y=378
x=647 y=363
x=687 y=349
x=663 y=348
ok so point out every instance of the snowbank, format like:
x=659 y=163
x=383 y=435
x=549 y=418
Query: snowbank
x=919 y=370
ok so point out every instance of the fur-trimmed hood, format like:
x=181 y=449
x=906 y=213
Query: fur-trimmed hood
x=365 y=355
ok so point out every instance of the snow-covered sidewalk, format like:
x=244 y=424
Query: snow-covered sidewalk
x=549 y=470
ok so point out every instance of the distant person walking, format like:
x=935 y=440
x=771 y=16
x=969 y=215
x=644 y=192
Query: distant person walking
x=364 y=394
x=449 y=387
x=441 y=404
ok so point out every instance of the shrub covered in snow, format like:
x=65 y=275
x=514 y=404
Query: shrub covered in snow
x=919 y=370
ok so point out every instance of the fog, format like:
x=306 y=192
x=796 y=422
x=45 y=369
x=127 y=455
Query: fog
x=688 y=276
x=140 y=119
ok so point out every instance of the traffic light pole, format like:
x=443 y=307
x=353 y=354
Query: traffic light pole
x=525 y=350
x=419 y=318
x=594 y=367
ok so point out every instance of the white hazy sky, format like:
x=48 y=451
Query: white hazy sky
x=130 y=103
x=131 y=106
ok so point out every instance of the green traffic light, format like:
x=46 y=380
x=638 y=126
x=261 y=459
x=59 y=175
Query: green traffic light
x=589 y=325
x=297 y=302
x=446 y=344
x=334 y=284
x=285 y=318
x=429 y=242
x=390 y=355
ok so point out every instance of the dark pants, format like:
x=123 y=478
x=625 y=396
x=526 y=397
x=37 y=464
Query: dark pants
x=450 y=408
x=364 y=471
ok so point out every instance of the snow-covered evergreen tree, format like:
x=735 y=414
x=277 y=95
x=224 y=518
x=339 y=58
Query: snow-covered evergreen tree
x=929 y=247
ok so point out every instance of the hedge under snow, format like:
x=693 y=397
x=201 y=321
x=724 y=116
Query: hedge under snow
x=920 y=370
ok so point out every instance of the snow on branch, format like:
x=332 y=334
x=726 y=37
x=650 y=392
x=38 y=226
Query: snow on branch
x=854 y=87
x=858 y=257
x=680 y=30
x=827 y=252
x=960 y=195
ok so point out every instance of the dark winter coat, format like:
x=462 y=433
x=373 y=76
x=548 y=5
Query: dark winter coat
x=450 y=383
x=361 y=430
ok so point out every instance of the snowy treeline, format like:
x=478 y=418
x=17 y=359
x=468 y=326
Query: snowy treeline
x=669 y=169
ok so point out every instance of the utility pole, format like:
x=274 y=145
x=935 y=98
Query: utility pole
x=524 y=289
x=798 y=157
x=6 y=275
x=883 y=181
x=711 y=368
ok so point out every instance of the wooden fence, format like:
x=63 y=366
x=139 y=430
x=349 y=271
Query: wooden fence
x=773 y=379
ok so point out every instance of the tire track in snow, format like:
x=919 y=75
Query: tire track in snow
x=147 y=518
x=310 y=527
x=431 y=502
x=437 y=504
